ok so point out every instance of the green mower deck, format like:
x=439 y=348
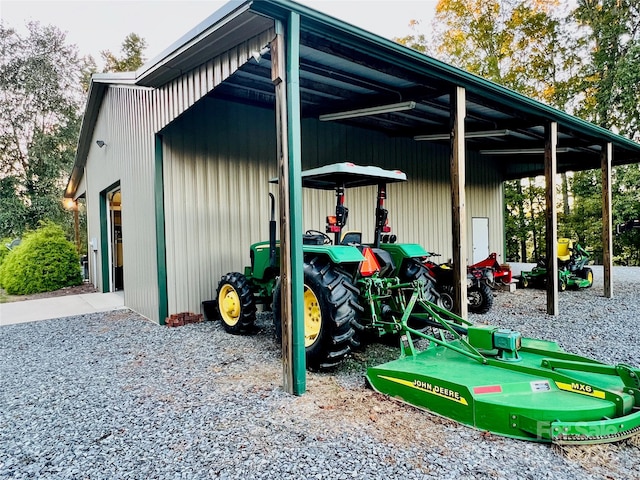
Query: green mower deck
x=496 y=381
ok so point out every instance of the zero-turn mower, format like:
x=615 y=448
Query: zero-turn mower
x=572 y=268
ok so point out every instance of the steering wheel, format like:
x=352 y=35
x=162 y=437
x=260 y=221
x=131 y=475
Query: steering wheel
x=326 y=239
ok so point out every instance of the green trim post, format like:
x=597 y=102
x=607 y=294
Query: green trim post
x=292 y=49
x=104 y=242
x=161 y=245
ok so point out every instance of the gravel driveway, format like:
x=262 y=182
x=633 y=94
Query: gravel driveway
x=113 y=396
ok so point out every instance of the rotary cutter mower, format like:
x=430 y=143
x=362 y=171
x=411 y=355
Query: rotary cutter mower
x=493 y=379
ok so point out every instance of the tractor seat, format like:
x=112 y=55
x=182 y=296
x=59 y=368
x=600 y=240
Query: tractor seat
x=351 y=238
x=385 y=261
x=564 y=249
x=312 y=239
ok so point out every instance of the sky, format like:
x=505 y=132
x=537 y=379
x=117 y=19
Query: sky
x=97 y=25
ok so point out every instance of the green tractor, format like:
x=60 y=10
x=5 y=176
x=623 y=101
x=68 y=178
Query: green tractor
x=572 y=268
x=346 y=281
x=487 y=377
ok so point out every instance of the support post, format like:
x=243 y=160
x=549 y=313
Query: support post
x=76 y=225
x=285 y=55
x=551 y=237
x=458 y=200
x=606 y=156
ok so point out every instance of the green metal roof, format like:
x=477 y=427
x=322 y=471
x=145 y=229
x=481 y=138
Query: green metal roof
x=344 y=68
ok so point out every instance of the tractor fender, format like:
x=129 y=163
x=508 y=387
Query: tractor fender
x=404 y=250
x=336 y=253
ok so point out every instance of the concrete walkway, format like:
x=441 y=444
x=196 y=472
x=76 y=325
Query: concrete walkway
x=58 y=307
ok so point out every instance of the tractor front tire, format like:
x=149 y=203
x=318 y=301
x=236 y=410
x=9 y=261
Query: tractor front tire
x=330 y=301
x=236 y=305
x=525 y=282
x=562 y=285
x=480 y=298
x=587 y=274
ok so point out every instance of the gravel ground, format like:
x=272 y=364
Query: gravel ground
x=113 y=396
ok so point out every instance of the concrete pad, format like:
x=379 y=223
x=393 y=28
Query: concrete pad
x=58 y=307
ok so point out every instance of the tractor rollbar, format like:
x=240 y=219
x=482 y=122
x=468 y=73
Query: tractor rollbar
x=381 y=214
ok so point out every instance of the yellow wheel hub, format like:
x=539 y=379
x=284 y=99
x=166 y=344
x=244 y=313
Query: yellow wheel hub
x=590 y=277
x=229 y=303
x=312 y=317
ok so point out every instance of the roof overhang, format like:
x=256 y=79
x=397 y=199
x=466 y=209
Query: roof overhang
x=344 y=69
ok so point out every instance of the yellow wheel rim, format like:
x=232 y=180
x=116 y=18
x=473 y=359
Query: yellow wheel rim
x=229 y=302
x=590 y=277
x=312 y=317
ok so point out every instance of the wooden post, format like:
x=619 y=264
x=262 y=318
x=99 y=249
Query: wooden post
x=285 y=76
x=458 y=200
x=607 y=239
x=550 y=169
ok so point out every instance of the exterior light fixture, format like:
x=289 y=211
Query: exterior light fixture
x=100 y=143
x=480 y=134
x=365 y=112
x=257 y=56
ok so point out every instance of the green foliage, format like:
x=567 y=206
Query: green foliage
x=626 y=206
x=43 y=262
x=4 y=251
x=525 y=219
x=610 y=78
x=132 y=55
x=517 y=43
x=39 y=123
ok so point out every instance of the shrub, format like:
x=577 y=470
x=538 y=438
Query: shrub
x=44 y=261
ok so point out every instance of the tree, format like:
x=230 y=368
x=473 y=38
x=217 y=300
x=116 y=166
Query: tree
x=611 y=82
x=626 y=206
x=517 y=43
x=132 y=55
x=40 y=99
x=612 y=77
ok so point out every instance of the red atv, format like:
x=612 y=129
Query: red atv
x=479 y=295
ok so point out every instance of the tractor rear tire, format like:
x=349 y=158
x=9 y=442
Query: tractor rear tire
x=412 y=270
x=330 y=308
x=480 y=298
x=235 y=303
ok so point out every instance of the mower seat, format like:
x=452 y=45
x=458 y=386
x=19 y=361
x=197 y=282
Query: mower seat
x=564 y=249
x=351 y=237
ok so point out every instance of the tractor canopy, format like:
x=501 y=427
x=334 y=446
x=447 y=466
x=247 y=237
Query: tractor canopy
x=348 y=175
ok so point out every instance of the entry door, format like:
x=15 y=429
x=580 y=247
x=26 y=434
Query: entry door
x=116 y=263
x=480 y=228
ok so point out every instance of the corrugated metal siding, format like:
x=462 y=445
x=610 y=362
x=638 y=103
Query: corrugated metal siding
x=484 y=199
x=219 y=157
x=182 y=93
x=126 y=125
